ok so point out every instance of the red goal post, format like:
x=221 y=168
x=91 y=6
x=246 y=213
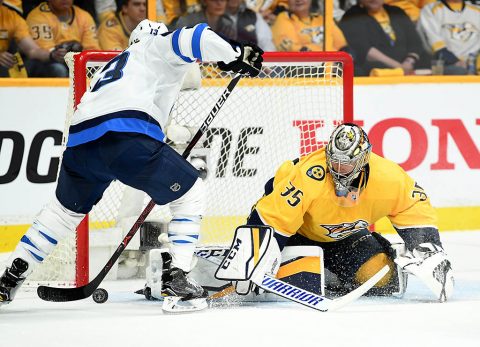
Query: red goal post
x=315 y=87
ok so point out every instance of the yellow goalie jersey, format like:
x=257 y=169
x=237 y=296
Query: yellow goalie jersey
x=303 y=200
x=48 y=31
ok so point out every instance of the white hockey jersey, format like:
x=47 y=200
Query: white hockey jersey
x=458 y=31
x=136 y=90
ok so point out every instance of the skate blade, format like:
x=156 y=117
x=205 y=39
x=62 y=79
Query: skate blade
x=175 y=304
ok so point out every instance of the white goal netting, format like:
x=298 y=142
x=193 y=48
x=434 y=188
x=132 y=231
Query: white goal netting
x=286 y=112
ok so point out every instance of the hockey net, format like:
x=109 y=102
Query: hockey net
x=286 y=112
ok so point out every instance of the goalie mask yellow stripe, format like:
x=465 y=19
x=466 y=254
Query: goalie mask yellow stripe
x=304 y=264
x=256 y=244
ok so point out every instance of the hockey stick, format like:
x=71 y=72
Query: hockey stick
x=307 y=298
x=78 y=293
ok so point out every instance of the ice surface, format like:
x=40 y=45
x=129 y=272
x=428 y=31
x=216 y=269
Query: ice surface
x=128 y=320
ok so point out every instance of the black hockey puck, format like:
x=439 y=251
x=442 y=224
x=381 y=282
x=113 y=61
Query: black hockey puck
x=100 y=295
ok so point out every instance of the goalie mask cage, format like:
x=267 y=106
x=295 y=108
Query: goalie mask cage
x=286 y=112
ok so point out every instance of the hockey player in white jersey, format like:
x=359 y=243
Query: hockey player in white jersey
x=117 y=132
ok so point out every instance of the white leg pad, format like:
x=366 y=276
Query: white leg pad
x=51 y=225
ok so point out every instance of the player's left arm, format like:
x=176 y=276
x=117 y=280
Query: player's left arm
x=200 y=43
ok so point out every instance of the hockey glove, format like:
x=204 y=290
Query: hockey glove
x=248 y=63
x=430 y=264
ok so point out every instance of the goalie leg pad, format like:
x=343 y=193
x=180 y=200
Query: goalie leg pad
x=253 y=253
x=302 y=266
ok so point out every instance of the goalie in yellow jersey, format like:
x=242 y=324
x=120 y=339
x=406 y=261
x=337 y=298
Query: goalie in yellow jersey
x=329 y=198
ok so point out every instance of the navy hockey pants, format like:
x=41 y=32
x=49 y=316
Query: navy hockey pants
x=134 y=159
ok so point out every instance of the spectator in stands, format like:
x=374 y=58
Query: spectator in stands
x=382 y=36
x=411 y=7
x=14 y=36
x=59 y=26
x=301 y=29
x=174 y=9
x=15 y=5
x=214 y=13
x=452 y=30
x=114 y=32
x=269 y=9
x=249 y=26
x=339 y=7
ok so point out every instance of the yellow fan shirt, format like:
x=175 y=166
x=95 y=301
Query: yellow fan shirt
x=12 y=26
x=411 y=7
x=113 y=34
x=291 y=33
x=172 y=9
x=48 y=31
x=303 y=200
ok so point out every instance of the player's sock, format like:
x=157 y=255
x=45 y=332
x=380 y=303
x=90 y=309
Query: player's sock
x=52 y=225
x=183 y=234
x=37 y=243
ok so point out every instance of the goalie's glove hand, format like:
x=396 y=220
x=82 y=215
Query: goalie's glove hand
x=248 y=63
x=419 y=254
x=430 y=263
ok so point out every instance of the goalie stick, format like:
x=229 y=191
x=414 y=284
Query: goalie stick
x=307 y=298
x=78 y=293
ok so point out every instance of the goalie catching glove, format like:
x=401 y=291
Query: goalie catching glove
x=254 y=252
x=248 y=63
x=430 y=264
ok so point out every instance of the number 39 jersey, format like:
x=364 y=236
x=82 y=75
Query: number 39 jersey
x=303 y=200
x=136 y=90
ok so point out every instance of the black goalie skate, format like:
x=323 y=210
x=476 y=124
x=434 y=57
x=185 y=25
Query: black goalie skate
x=182 y=294
x=11 y=280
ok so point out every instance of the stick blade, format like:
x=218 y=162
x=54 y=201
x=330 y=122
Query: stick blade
x=358 y=292
x=64 y=294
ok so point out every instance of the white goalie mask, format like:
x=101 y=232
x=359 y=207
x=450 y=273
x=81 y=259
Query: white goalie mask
x=146 y=28
x=348 y=152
